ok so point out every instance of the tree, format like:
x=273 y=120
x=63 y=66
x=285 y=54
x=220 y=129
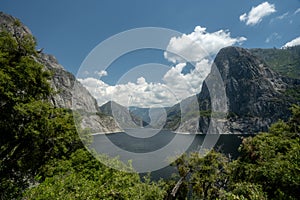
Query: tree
x=271 y=160
x=267 y=168
x=41 y=154
x=32 y=130
x=202 y=177
x=243 y=191
x=84 y=177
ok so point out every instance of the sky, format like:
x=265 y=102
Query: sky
x=70 y=30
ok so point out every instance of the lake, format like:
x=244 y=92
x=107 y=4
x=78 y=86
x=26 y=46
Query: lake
x=150 y=149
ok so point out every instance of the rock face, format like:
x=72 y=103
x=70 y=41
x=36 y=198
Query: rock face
x=152 y=117
x=8 y=23
x=122 y=115
x=184 y=116
x=69 y=93
x=256 y=95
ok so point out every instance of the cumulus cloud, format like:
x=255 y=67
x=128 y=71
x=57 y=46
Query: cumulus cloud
x=197 y=48
x=292 y=43
x=198 y=45
x=184 y=85
x=257 y=13
x=175 y=87
x=141 y=93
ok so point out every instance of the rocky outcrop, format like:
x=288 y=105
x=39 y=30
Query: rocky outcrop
x=154 y=117
x=184 y=116
x=13 y=25
x=122 y=115
x=99 y=123
x=69 y=93
x=256 y=96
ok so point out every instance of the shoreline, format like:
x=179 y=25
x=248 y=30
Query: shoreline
x=176 y=132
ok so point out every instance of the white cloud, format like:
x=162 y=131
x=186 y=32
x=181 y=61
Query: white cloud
x=184 y=85
x=101 y=73
x=175 y=87
x=141 y=93
x=243 y=17
x=257 y=13
x=297 y=11
x=198 y=45
x=294 y=42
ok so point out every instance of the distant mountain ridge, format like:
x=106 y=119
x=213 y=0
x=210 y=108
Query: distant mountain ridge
x=142 y=113
x=154 y=117
x=122 y=115
x=135 y=117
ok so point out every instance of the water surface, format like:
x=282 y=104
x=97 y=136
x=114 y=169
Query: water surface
x=135 y=144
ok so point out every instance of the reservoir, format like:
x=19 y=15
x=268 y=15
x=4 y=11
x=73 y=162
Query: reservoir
x=151 y=151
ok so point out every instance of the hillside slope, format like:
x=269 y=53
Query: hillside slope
x=257 y=96
x=70 y=93
x=284 y=61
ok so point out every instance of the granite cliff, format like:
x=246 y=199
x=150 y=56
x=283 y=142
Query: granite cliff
x=123 y=115
x=256 y=95
x=69 y=93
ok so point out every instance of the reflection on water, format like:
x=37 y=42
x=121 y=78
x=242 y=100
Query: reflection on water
x=137 y=142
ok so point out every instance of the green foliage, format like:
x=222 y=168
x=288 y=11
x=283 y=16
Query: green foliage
x=272 y=159
x=32 y=130
x=267 y=168
x=204 y=177
x=40 y=147
x=84 y=177
x=293 y=93
x=243 y=191
x=283 y=61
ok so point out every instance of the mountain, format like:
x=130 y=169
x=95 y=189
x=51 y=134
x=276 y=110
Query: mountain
x=142 y=113
x=256 y=95
x=122 y=115
x=183 y=117
x=153 y=117
x=284 y=61
x=69 y=92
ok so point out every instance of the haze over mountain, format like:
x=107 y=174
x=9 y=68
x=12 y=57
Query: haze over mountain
x=122 y=115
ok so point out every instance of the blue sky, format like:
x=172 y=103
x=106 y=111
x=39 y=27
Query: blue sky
x=71 y=29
